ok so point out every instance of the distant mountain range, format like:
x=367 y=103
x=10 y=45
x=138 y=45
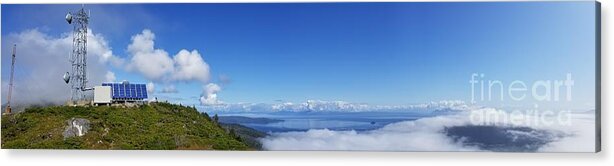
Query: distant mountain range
x=243 y=119
x=338 y=106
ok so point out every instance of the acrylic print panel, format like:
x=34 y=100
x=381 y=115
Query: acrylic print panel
x=422 y=76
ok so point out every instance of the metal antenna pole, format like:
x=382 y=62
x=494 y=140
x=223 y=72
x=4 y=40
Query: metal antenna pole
x=8 y=104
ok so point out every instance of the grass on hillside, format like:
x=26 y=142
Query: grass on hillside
x=158 y=126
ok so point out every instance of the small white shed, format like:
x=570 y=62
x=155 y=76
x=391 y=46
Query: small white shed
x=102 y=95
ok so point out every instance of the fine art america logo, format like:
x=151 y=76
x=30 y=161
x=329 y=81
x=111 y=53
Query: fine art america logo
x=541 y=91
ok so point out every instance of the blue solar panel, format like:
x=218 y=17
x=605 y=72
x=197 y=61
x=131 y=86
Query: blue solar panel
x=127 y=91
x=115 y=90
x=144 y=91
x=132 y=91
x=138 y=92
x=120 y=91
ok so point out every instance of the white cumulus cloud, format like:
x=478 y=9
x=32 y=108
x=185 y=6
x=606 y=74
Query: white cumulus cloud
x=153 y=63
x=97 y=45
x=157 y=65
x=209 y=96
x=190 y=66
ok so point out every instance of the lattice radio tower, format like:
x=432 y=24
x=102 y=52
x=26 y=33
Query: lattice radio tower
x=78 y=57
x=8 y=103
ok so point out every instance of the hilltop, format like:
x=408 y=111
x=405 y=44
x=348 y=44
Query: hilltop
x=156 y=126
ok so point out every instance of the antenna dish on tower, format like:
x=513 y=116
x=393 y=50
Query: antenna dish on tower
x=66 y=77
x=69 y=18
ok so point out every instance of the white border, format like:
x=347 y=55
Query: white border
x=310 y=158
x=241 y=1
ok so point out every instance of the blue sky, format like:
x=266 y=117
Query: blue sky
x=379 y=53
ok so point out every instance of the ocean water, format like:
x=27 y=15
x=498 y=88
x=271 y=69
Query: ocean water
x=338 y=121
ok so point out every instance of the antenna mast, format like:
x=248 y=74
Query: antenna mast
x=78 y=56
x=8 y=104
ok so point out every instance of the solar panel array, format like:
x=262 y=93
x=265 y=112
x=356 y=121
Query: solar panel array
x=127 y=91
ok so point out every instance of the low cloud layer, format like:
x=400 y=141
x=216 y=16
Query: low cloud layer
x=428 y=134
x=419 y=135
x=42 y=60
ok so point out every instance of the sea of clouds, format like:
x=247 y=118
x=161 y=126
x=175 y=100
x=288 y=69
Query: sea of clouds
x=429 y=134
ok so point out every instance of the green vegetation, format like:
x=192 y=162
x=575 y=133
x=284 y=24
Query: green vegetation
x=157 y=126
x=245 y=134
